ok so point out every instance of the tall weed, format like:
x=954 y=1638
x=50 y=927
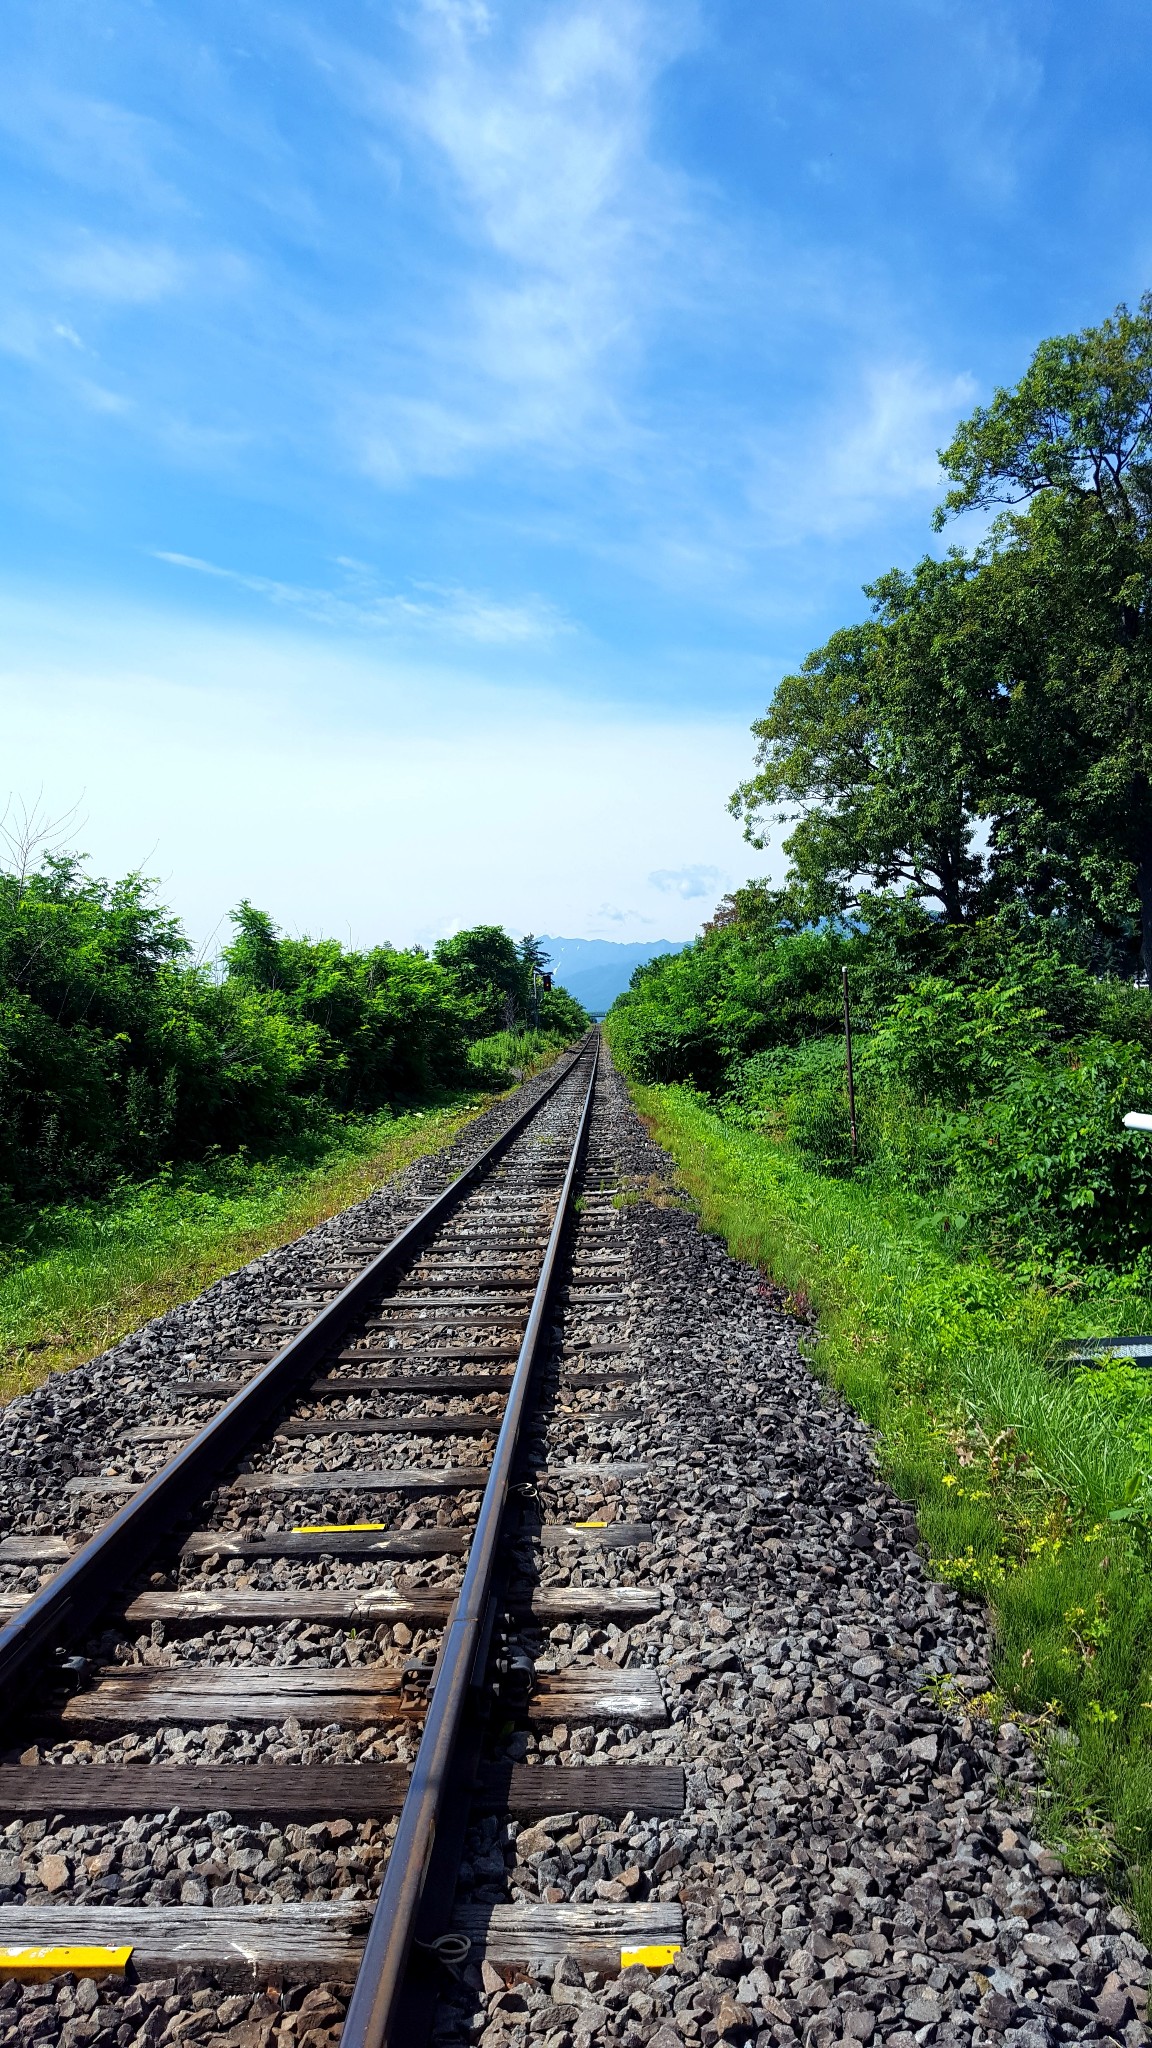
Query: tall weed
x=509 y=1057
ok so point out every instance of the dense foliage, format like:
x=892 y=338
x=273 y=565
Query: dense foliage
x=119 y=1052
x=1032 y=1482
x=992 y=1068
x=968 y=778
x=967 y=774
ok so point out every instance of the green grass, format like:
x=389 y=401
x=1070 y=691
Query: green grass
x=90 y=1272
x=509 y=1057
x=1016 y=1466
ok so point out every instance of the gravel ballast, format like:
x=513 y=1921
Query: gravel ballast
x=74 y=1426
x=857 y=1860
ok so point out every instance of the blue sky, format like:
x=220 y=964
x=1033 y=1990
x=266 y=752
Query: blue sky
x=431 y=429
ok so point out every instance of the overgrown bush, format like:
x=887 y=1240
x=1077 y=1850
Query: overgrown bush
x=1046 y=1159
x=691 y=1016
x=510 y=1056
x=992 y=1086
x=797 y=1095
x=1031 y=1482
x=118 y=1052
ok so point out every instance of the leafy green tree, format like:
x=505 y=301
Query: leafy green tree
x=254 y=955
x=378 y=1023
x=1079 y=423
x=986 y=737
x=561 y=1014
x=873 y=749
x=489 y=973
x=1071 y=779
x=117 y=1053
x=86 y=974
x=689 y=1015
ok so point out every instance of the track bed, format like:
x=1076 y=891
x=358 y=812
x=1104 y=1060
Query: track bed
x=707 y=1603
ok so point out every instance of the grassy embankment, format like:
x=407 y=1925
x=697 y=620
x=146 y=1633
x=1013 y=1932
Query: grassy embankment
x=1029 y=1480
x=86 y=1273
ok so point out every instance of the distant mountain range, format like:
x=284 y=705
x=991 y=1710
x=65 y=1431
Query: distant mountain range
x=596 y=971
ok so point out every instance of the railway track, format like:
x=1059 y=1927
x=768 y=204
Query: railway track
x=695 y=1535
x=321 y=1623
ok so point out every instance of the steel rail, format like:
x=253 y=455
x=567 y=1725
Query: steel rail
x=372 y=2011
x=71 y=1601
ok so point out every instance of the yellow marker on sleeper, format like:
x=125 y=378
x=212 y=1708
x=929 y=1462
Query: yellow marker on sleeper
x=336 y=1528
x=656 y=1955
x=33 y=1965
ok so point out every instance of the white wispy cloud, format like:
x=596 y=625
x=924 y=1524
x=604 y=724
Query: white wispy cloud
x=463 y=614
x=886 y=448
x=578 y=247
x=100 y=145
x=100 y=398
x=610 y=913
x=874 y=446
x=687 y=883
x=122 y=271
x=988 y=91
x=537 y=138
x=482 y=251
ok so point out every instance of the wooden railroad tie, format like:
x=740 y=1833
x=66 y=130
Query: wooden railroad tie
x=368 y=1479
x=442 y=1383
x=337 y=1542
x=357 y=1696
x=315 y=1792
x=251 y=1946
x=368 y=1606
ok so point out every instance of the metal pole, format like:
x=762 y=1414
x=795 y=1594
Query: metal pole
x=848 y=1064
